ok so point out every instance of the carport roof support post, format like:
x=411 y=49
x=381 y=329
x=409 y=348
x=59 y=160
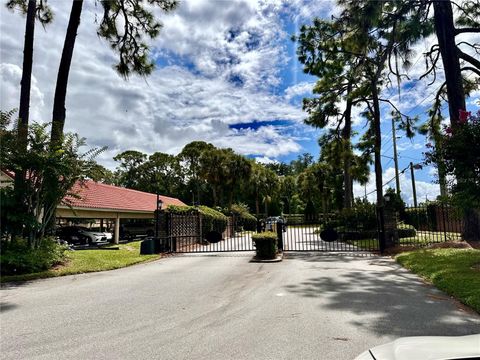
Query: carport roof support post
x=117 y=229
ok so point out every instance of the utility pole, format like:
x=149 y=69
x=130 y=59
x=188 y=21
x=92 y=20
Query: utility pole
x=395 y=157
x=412 y=174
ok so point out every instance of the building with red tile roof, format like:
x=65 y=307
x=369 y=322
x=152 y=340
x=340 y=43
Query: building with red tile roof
x=95 y=195
x=94 y=200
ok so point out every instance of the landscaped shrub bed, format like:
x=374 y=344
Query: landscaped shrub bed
x=18 y=257
x=212 y=220
x=265 y=245
x=243 y=220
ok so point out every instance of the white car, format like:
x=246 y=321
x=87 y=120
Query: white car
x=426 y=348
x=108 y=235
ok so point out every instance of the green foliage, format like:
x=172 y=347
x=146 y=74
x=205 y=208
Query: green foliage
x=459 y=155
x=43 y=12
x=128 y=173
x=126 y=25
x=86 y=261
x=242 y=216
x=212 y=220
x=406 y=231
x=361 y=217
x=18 y=257
x=41 y=164
x=265 y=245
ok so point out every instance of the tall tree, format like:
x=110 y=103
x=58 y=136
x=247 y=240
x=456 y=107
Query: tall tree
x=190 y=157
x=125 y=25
x=43 y=13
x=128 y=172
x=59 y=112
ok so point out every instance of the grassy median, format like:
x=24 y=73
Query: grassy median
x=84 y=261
x=455 y=271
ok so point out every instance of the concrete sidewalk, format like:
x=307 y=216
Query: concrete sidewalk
x=310 y=306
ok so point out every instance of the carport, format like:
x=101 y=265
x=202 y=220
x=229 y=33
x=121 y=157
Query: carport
x=93 y=200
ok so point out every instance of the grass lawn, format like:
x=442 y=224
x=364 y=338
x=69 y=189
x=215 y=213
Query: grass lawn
x=455 y=271
x=83 y=261
x=422 y=238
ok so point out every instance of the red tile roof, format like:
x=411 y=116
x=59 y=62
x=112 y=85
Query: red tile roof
x=96 y=195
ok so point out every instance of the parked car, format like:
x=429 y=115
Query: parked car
x=80 y=235
x=136 y=229
x=427 y=348
x=270 y=221
x=108 y=234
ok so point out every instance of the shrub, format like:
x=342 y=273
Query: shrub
x=243 y=219
x=212 y=220
x=265 y=245
x=361 y=217
x=19 y=258
x=406 y=231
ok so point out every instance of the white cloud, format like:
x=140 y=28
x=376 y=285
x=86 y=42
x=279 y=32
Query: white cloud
x=303 y=88
x=220 y=59
x=425 y=190
x=265 y=160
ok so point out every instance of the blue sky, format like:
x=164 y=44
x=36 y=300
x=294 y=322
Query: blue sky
x=226 y=73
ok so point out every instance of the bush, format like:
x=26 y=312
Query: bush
x=212 y=220
x=19 y=258
x=406 y=231
x=243 y=219
x=265 y=245
x=361 y=217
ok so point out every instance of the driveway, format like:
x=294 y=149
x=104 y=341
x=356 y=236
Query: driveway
x=224 y=307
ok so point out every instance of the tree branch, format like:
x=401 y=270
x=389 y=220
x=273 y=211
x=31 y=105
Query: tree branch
x=471 y=68
x=469 y=59
x=467 y=30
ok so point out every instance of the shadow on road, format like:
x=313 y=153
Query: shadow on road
x=6 y=306
x=381 y=297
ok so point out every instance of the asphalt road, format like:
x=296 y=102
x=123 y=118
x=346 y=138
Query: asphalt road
x=225 y=307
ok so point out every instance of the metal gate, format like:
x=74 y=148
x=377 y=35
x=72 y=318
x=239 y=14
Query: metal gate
x=310 y=234
x=193 y=233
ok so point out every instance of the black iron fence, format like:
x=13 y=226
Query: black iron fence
x=189 y=233
x=354 y=230
x=429 y=224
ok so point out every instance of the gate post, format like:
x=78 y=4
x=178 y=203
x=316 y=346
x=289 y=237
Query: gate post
x=280 y=235
x=390 y=224
x=381 y=227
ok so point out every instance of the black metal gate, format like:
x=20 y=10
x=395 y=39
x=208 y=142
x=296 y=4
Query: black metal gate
x=420 y=226
x=194 y=234
x=310 y=234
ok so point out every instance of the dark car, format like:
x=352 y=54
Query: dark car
x=136 y=229
x=272 y=222
x=80 y=235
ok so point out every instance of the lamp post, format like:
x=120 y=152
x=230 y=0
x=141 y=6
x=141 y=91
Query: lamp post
x=159 y=208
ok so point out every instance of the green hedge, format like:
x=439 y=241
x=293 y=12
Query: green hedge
x=265 y=245
x=212 y=220
x=19 y=258
x=403 y=232
x=242 y=218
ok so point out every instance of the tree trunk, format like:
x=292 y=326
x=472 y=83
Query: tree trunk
x=257 y=205
x=24 y=108
x=445 y=30
x=347 y=158
x=378 y=144
x=58 y=117
x=471 y=231
x=214 y=193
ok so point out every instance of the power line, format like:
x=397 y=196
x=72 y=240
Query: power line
x=389 y=181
